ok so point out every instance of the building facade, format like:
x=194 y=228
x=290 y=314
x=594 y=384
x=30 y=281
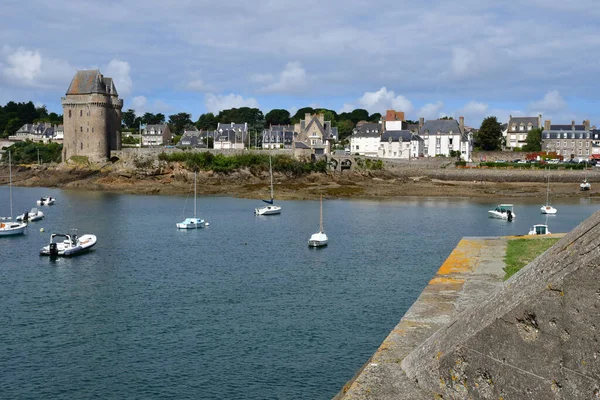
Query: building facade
x=402 y=145
x=441 y=137
x=315 y=133
x=365 y=139
x=231 y=136
x=91 y=117
x=394 y=121
x=156 y=135
x=278 y=137
x=515 y=134
x=570 y=141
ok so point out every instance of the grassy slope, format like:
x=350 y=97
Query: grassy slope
x=521 y=252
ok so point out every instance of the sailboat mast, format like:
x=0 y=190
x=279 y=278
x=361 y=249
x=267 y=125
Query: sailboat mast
x=195 y=194
x=10 y=183
x=271 y=172
x=548 y=191
x=321 y=217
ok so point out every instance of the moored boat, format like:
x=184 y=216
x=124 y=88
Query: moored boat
x=502 y=211
x=70 y=245
x=46 y=201
x=7 y=226
x=540 y=229
x=319 y=239
x=271 y=209
x=33 y=215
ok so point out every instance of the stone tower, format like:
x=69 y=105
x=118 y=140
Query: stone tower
x=92 y=117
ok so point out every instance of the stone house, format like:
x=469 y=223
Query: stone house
x=440 y=137
x=156 y=135
x=92 y=117
x=316 y=133
x=515 y=133
x=193 y=138
x=570 y=140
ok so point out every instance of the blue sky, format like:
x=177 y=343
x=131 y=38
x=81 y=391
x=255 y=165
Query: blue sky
x=428 y=58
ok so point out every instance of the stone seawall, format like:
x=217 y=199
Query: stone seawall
x=469 y=275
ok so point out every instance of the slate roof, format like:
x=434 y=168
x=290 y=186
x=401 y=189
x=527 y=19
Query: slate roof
x=534 y=121
x=229 y=135
x=159 y=127
x=580 y=134
x=237 y=127
x=302 y=145
x=443 y=126
x=191 y=140
x=396 y=136
x=567 y=127
x=91 y=81
x=276 y=133
x=368 y=130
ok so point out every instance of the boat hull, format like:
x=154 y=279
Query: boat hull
x=191 y=224
x=12 y=228
x=317 y=243
x=67 y=249
x=32 y=216
x=268 y=210
x=318 y=239
x=548 y=210
x=499 y=215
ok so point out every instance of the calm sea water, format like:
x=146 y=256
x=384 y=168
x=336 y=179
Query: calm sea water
x=242 y=309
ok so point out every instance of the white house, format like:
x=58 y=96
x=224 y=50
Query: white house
x=231 y=136
x=402 y=144
x=365 y=140
x=440 y=137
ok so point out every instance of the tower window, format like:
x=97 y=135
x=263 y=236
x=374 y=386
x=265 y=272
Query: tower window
x=81 y=113
x=69 y=113
x=81 y=129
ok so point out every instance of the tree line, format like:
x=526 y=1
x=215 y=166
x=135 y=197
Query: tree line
x=14 y=115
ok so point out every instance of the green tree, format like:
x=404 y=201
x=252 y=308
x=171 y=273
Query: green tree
x=446 y=117
x=179 y=121
x=359 y=115
x=345 y=128
x=277 y=116
x=534 y=140
x=153 y=119
x=128 y=118
x=490 y=134
x=375 y=117
x=13 y=126
x=207 y=122
x=300 y=114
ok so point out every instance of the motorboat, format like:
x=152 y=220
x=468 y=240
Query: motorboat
x=540 y=229
x=502 y=211
x=8 y=227
x=585 y=185
x=65 y=245
x=192 y=223
x=271 y=209
x=548 y=209
x=46 y=201
x=319 y=239
x=33 y=215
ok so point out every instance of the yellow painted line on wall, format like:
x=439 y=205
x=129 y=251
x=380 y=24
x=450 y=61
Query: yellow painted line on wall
x=463 y=257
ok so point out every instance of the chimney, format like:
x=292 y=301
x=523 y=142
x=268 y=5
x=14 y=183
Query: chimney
x=573 y=125
x=421 y=122
x=461 y=124
x=539 y=120
x=586 y=125
x=307 y=116
x=547 y=125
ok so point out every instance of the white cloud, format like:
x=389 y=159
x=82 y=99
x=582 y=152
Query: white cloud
x=197 y=85
x=23 y=65
x=380 y=101
x=291 y=79
x=431 y=110
x=463 y=61
x=138 y=103
x=28 y=68
x=120 y=72
x=215 y=103
x=552 y=101
x=474 y=107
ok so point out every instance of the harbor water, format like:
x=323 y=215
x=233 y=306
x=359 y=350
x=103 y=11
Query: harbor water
x=242 y=309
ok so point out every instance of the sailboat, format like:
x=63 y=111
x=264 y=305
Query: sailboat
x=7 y=226
x=585 y=185
x=271 y=209
x=192 y=223
x=548 y=209
x=319 y=239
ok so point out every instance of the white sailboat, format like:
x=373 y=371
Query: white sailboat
x=548 y=209
x=319 y=239
x=7 y=226
x=271 y=209
x=192 y=223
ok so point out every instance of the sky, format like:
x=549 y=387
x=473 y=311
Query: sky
x=468 y=58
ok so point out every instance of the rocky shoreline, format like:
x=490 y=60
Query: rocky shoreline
x=389 y=183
